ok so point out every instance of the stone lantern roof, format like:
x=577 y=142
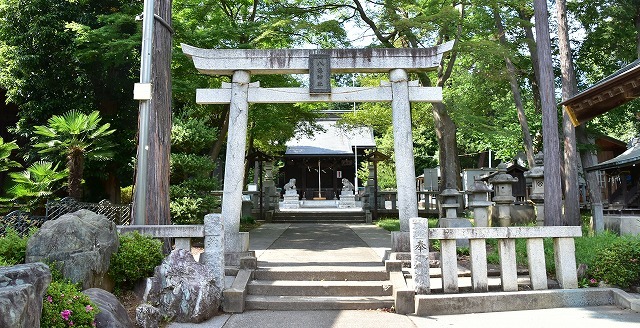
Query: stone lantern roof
x=502 y=176
x=538 y=170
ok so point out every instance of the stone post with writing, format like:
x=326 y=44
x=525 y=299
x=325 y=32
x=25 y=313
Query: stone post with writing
x=419 y=236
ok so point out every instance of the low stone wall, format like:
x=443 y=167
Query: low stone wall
x=520 y=214
x=622 y=224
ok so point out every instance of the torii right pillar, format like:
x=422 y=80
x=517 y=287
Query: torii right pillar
x=405 y=167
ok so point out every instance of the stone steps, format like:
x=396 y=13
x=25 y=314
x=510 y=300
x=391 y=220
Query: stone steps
x=319 y=288
x=319 y=217
x=291 y=303
x=327 y=288
x=335 y=274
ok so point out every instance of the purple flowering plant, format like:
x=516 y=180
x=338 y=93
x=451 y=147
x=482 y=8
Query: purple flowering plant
x=65 y=306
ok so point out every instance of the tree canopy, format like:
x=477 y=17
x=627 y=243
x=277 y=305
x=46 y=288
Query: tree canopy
x=84 y=55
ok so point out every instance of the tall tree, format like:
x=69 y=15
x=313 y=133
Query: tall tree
x=569 y=89
x=515 y=90
x=552 y=184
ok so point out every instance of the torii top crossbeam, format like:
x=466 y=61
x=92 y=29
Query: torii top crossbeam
x=296 y=61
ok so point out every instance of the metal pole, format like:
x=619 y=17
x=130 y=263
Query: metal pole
x=355 y=171
x=319 y=182
x=143 y=139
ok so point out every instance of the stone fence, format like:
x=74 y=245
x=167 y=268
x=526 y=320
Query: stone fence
x=564 y=255
x=181 y=233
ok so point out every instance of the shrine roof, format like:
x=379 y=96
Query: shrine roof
x=614 y=90
x=333 y=141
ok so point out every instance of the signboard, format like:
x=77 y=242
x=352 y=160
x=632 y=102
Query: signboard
x=319 y=73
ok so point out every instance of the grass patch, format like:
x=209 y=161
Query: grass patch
x=248 y=223
x=393 y=224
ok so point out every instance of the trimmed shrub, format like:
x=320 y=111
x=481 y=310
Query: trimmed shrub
x=619 y=263
x=65 y=306
x=13 y=247
x=136 y=259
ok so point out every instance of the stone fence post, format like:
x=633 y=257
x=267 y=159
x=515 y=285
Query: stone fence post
x=213 y=255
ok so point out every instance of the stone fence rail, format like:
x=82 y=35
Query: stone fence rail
x=181 y=233
x=564 y=255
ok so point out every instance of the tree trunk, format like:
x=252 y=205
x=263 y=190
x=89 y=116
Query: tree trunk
x=517 y=96
x=75 y=164
x=569 y=88
x=157 y=197
x=552 y=185
x=589 y=158
x=217 y=146
x=531 y=44
x=637 y=24
x=448 y=145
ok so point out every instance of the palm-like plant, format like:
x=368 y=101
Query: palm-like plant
x=77 y=136
x=36 y=183
x=5 y=151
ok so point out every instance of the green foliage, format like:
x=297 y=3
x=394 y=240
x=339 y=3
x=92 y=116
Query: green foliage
x=619 y=262
x=186 y=210
x=136 y=259
x=56 y=274
x=191 y=200
x=75 y=131
x=192 y=135
x=248 y=223
x=64 y=305
x=13 y=247
x=4 y=262
x=389 y=224
x=393 y=224
x=126 y=195
x=588 y=246
x=34 y=185
x=5 y=151
x=185 y=166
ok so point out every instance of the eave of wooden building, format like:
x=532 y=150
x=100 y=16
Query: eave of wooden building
x=615 y=90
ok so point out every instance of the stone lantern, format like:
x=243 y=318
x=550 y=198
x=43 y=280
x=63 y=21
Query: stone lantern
x=536 y=174
x=503 y=194
x=449 y=204
x=479 y=203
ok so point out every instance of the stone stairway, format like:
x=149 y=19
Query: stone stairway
x=319 y=217
x=299 y=288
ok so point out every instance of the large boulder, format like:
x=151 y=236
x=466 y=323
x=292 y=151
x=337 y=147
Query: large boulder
x=22 y=288
x=112 y=313
x=81 y=244
x=182 y=290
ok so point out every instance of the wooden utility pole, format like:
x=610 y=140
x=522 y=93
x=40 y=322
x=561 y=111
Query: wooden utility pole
x=552 y=184
x=569 y=88
x=155 y=182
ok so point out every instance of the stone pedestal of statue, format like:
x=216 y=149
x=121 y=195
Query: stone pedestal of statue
x=347 y=199
x=291 y=199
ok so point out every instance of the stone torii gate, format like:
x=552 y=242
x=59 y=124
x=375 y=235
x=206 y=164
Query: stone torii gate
x=242 y=63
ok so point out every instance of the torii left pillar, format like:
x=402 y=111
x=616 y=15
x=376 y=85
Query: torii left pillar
x=236 y=244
